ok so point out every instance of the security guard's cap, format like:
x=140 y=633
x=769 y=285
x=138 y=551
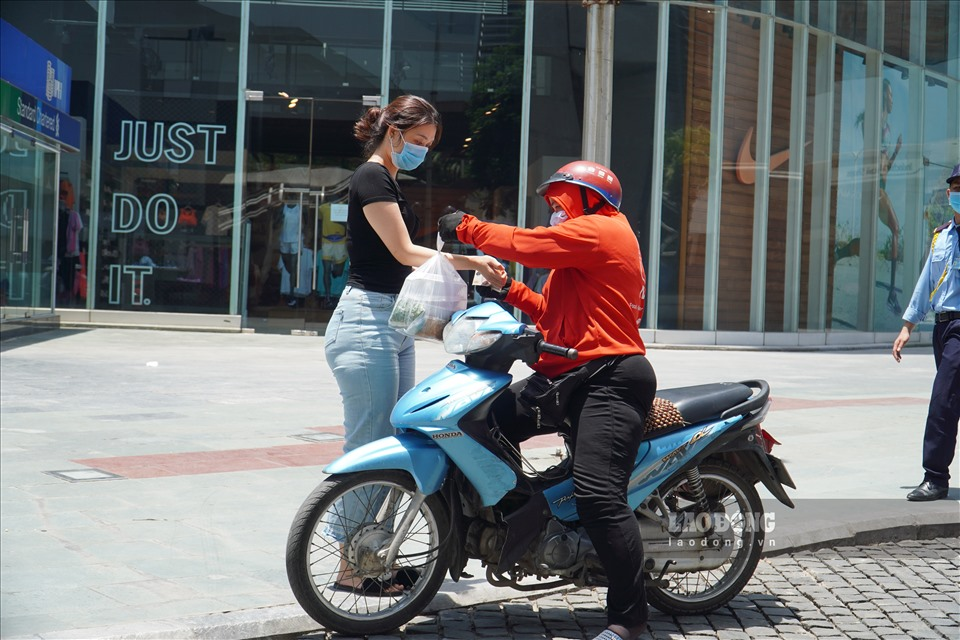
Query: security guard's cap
x=954 y=175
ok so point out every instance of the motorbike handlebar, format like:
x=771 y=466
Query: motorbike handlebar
x=557 y=350
x=545 y=347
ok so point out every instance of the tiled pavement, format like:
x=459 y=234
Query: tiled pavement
x=891 y=591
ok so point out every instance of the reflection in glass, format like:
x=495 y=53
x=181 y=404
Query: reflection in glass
x=943 y=32
x=738 y=186
x=937 y=159
x=556 y=105
x=167 y=157
x=849 y=172
x=28 y=217
x=892 y=206
x=470 y=65
x=780 y=178
x=686 y=166
x=896 y=30
x=68 y=31
x=631 y=153
x=852 y=20
x=314 y=65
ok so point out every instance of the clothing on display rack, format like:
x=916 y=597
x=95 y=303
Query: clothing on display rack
x=297 y=290
x=291 y=240
x=333 y=253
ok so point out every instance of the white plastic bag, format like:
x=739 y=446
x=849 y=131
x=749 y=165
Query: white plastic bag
x=428 y=298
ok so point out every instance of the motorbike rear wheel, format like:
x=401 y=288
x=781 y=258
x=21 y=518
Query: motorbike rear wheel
x=703 y=591
x=340 y=528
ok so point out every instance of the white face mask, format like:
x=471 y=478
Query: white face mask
x=558 y=217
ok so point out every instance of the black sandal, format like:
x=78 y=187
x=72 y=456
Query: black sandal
x=368 y=587
x=406 y=577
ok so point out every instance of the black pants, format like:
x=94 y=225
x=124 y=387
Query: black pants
x=940 y=435
x=608 y=414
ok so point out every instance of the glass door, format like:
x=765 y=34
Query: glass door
x=315 y=64
x=296 y=194
x=28 y=226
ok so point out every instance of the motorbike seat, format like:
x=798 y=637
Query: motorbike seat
x=676 y=408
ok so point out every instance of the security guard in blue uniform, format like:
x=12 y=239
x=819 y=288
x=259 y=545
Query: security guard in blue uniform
x=938 y=288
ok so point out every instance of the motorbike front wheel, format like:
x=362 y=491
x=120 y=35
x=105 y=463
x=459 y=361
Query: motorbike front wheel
x=335 y=561
x=697 y=592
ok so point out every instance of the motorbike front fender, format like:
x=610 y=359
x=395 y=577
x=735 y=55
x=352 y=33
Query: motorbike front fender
x=408 y=451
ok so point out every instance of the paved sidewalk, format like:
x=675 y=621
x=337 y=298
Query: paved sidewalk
x=892 y=591
x=149 y=477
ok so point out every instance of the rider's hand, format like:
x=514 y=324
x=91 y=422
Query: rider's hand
x=487 y=291
x=447 y=226
x=490 y=269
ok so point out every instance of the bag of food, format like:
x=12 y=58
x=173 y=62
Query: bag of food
x=428 y=298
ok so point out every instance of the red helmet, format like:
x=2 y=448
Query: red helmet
x=590 y=175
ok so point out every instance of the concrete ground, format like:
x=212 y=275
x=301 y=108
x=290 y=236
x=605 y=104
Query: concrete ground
x=149 y=477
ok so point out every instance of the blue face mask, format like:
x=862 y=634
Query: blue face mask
x=410 y=157
x=558 y=217
x=955 y=200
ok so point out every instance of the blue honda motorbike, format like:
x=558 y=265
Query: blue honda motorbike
x=369 y=548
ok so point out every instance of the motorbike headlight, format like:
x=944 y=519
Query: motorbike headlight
x=463 y=336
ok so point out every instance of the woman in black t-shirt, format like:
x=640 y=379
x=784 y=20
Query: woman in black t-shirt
x=373 y=363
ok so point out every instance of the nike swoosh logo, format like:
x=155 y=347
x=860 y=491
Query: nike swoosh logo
x=746 y=166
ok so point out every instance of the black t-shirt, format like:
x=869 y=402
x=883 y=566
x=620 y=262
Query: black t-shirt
x=372 y=266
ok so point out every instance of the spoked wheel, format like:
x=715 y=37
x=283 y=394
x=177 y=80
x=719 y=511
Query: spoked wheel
x=336 y=548
x=698 y=592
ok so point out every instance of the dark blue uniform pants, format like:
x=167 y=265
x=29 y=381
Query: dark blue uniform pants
x=940 y=436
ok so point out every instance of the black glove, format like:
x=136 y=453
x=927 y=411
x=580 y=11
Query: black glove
x=488 y=292
x=447 y=225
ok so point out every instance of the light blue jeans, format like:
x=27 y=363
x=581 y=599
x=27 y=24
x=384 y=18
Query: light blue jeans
x=374 y=365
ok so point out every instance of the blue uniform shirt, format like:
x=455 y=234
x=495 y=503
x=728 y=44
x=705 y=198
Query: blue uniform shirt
x=940 y=277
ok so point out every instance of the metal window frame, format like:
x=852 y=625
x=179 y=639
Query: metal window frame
x=652 y=308
x=761 y=192
x=798 y=131
x=93 y=284
x=870 y=189
x=238 y=163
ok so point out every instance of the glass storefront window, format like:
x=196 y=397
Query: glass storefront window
x=940 y=153
x=314 y=66
x=556 y=101
x=895 y=168
x=68 y=30
x=780 y=177
x=848 y=172
x=470 y=66
x=634 y=83
x=786 y=9
x=749 y=5
x=808 y=288
x=896 y=29
x=943 y=34
x=170 y=105
x=738 y=186
x=28 y=219
x=852 y=21
x=686 y=166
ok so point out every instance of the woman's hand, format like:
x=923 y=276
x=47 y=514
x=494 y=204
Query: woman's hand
x=491 y=270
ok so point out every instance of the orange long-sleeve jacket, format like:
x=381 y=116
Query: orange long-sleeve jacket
x=594 y=296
